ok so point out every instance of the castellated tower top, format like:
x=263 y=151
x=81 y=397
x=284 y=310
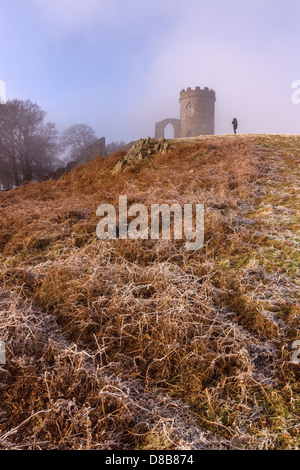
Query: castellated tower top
x=205 y=92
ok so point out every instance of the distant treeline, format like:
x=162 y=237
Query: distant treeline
x=31 y=148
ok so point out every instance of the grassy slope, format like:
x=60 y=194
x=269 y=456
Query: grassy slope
x=140 y=344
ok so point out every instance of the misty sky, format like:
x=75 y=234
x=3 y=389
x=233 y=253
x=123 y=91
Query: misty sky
x=119 y=65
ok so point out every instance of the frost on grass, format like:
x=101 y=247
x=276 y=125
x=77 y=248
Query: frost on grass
x=140 y=344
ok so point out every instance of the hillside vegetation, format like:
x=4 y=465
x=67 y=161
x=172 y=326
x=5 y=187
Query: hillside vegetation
x=140 y=344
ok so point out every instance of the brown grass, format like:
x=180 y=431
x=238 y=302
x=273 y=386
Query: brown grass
x=141 y=344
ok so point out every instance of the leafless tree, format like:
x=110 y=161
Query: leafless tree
x=114 y=146
x=75 y=139
x=27 y=144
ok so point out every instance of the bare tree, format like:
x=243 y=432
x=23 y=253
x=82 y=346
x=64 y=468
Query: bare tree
x=114 y=146
x=9 y=170
x=27 y=144
x=75 y=139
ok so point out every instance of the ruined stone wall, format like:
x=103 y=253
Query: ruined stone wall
x=160 y=128
x=97 y=149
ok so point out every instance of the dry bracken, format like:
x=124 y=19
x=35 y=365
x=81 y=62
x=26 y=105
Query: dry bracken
x=139 y=344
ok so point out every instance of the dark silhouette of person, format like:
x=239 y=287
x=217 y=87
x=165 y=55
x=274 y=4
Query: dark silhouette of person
x=235 y=124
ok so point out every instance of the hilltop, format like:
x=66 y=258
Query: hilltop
x=140 y=344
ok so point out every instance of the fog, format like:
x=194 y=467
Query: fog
x=119 y=66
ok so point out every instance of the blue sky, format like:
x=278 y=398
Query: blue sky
x=119 y=65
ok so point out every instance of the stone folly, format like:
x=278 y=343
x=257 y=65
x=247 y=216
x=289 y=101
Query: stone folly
x=197 y=115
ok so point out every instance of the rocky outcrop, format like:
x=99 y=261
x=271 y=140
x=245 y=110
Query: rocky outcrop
x=141 y=151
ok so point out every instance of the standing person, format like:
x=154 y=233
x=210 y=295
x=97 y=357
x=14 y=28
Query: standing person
x=235 y=124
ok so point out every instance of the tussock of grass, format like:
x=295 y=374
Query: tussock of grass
x=140 y=344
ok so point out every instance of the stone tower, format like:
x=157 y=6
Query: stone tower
x=197 y=112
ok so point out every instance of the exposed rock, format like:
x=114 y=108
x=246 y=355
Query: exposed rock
x=142 y=151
